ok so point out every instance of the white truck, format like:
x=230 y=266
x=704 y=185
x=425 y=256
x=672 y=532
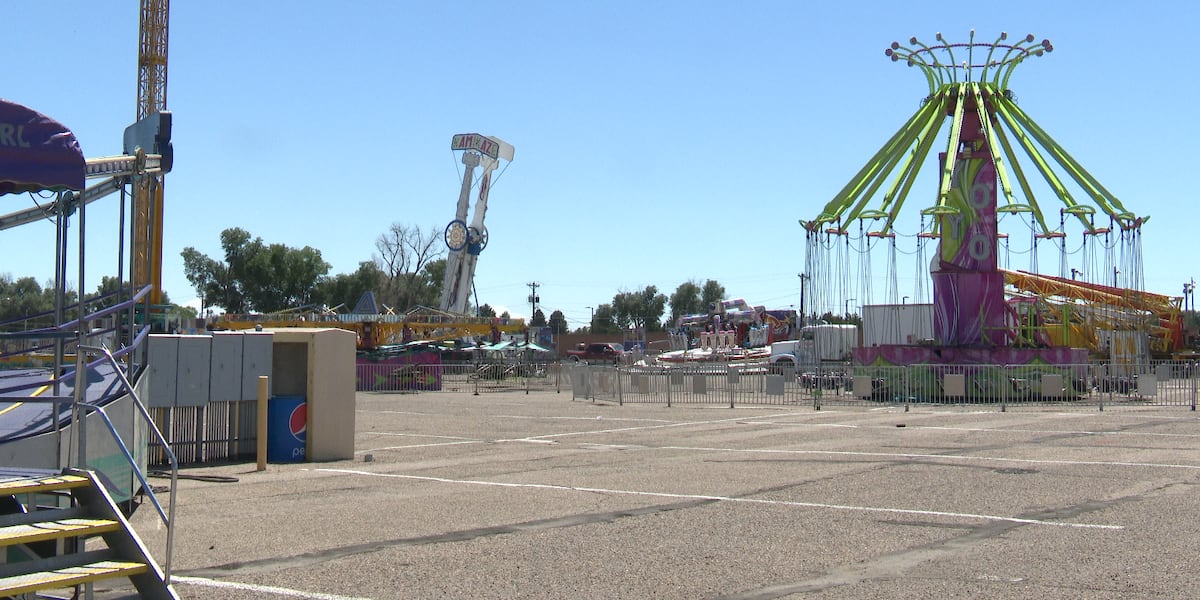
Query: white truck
x=826 y=343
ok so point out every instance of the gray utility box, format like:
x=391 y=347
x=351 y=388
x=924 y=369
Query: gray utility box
x=179 y=370
x=192 y=370
x=239 y=358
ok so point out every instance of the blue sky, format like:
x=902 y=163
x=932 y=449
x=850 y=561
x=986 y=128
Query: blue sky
x=656 y=143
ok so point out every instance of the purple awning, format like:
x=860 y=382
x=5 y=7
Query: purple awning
x=37 y=153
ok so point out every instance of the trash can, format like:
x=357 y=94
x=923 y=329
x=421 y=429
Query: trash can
x=287 y=428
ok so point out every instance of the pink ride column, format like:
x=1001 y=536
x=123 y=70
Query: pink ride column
x=968 y=290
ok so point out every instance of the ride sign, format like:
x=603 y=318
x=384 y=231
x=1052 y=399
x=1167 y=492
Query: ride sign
x=475 y=141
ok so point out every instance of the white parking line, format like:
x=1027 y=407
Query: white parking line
x=940 y=457
x=269 y=589
x=425 y=435
x=595 y=418
x=1058 y=432
x=418 y=446
x=644 y=427
x=755 y=421
x=542 y=486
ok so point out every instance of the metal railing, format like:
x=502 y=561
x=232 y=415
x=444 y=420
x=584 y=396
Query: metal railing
x=1100 y=386
x=96 y=408
x=474 y=378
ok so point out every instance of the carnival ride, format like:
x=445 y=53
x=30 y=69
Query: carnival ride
x=732 y=330
x=984 y=313
x=465 y=242
x=378 y=326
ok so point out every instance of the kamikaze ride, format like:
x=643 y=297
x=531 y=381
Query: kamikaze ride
x=464 y=241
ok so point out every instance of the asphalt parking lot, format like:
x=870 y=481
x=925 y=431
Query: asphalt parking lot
x=538 y=496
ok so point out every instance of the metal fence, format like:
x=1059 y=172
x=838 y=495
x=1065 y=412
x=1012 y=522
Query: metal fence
x=223 y=431
x=475 y=378
x=997 y=387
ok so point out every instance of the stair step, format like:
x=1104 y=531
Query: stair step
x=34 y=485
x=69 y=576
x=49 y=530
x=45 y=514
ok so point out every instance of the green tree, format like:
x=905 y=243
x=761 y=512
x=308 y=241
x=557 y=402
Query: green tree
x=558 y=322
x=686 y=301
x=405 y=255
x=640 y=310
x=604 y=320
x=215 y=281
x=712 y=294
x=426 y=290
x=110 y=285
x=255 y=276
x=344 y=290
x=24 y=297
x=538 y=319
x=486 y=310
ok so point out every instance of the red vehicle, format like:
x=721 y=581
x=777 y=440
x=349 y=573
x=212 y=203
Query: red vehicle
x=598 y=352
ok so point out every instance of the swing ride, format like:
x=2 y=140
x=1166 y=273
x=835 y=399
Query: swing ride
x=997 y=167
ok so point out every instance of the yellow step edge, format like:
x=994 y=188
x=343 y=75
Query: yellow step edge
x=66 y=577
x=49 y=530
x=41 y=484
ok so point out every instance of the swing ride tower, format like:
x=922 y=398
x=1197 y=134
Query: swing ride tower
x=993 y=156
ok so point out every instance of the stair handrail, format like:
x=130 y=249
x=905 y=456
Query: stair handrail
x=167 y=519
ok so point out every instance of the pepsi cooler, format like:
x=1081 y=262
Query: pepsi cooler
x=287 y=428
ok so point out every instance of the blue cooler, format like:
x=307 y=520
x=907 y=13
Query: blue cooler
x=287 y=427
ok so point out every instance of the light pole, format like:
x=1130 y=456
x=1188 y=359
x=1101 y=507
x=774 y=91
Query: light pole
x=904 y=300
x=848 y=301
x=591 y=318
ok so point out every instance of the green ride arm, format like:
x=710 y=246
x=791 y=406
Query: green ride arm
x=1020 y=173
x=960 y=105
x=988 y=63
x=834 y=209
x=985 y=122
x=1002 y=109
x=911 y=134
x=914 y=162
x=1098 y=192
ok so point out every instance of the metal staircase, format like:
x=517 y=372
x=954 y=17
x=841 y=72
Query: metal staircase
x=45 y=538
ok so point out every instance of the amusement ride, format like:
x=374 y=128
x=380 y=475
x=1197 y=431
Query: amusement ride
x=998 y=176
x=983 y=311
x=465 y=237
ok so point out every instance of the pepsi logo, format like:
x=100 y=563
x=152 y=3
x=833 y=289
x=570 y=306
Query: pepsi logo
x=298 y=421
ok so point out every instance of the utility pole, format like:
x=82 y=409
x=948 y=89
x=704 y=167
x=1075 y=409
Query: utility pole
x=591 y=318
x=533 y=298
